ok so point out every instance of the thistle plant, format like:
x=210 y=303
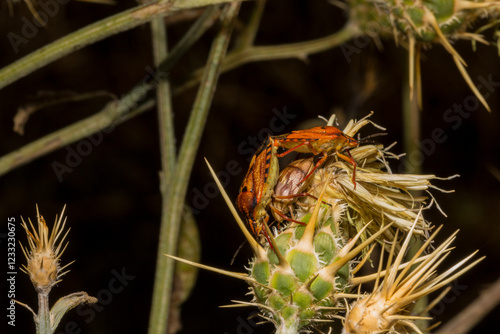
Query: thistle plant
x=307 y=277
x=44 y=268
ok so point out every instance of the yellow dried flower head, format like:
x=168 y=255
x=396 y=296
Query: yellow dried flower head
x=44 y=252
x=386 y=307
x=379 y=195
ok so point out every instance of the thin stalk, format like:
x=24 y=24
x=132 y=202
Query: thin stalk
x=194 y=33
x=111 y=115
x=43 y=317
x=178 y=186
x=164 y=104
x=411 y=127
x=264 y=53
x=411 y=132
x=247 y=36
x=102 y=122
x=95 y=32
x=475 y=311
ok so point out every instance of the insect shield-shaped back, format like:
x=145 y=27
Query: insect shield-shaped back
x=257 y=188
x=320 y=140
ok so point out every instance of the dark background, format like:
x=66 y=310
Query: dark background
x=112 y=197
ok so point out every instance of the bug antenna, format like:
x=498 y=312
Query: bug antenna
x=368 y=140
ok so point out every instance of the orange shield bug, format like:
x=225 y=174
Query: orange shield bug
x=257 y=188
x=318 y=140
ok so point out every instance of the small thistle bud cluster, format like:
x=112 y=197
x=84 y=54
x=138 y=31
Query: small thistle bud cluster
x=305 y=273
x=423 y=23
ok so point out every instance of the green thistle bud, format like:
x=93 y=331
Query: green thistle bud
x=423 y=23
x=294 y=288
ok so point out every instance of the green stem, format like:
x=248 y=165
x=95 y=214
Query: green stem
x=198 y=28
x=411 y=132
x=164 y=103
x=247 y=36
x=43 y=317
x=102 y=122
x=95 y=32
x=411 y=127
x=113 y=114
x=263 y=53
x=178 y=184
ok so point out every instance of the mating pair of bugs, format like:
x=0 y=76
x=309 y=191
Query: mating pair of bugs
x=263 y=180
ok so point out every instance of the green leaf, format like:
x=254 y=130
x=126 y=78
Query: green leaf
x=66 y=303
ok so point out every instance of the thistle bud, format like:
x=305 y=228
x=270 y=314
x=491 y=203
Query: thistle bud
x=44 y=253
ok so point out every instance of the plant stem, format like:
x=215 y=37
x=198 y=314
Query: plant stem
x=112 y=114
x=263 y=53
x=411 y=132
x=475 y=311
x=411 y=127
x=178 y=186
x=104 y=121
x=198 y=28
x=95 y=32
x=164 y=104
x=247 y=36
x=43 y=317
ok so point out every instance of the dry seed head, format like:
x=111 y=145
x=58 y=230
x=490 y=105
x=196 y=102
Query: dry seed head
x=380 y=196
x=386 y=307
x=44 y=252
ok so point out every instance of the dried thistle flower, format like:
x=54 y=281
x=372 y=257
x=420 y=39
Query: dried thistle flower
x=44 y=253
x=380 y=196
x=44 y=268
x=386 y=307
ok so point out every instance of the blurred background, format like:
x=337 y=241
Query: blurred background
x=112 y=195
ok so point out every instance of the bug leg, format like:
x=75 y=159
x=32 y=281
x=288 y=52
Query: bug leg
x=351 y=160
x=295 y=195
x=281 y=155
x=285 y=217
x=268 y=239
x=319 y=163
x=299 y=195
